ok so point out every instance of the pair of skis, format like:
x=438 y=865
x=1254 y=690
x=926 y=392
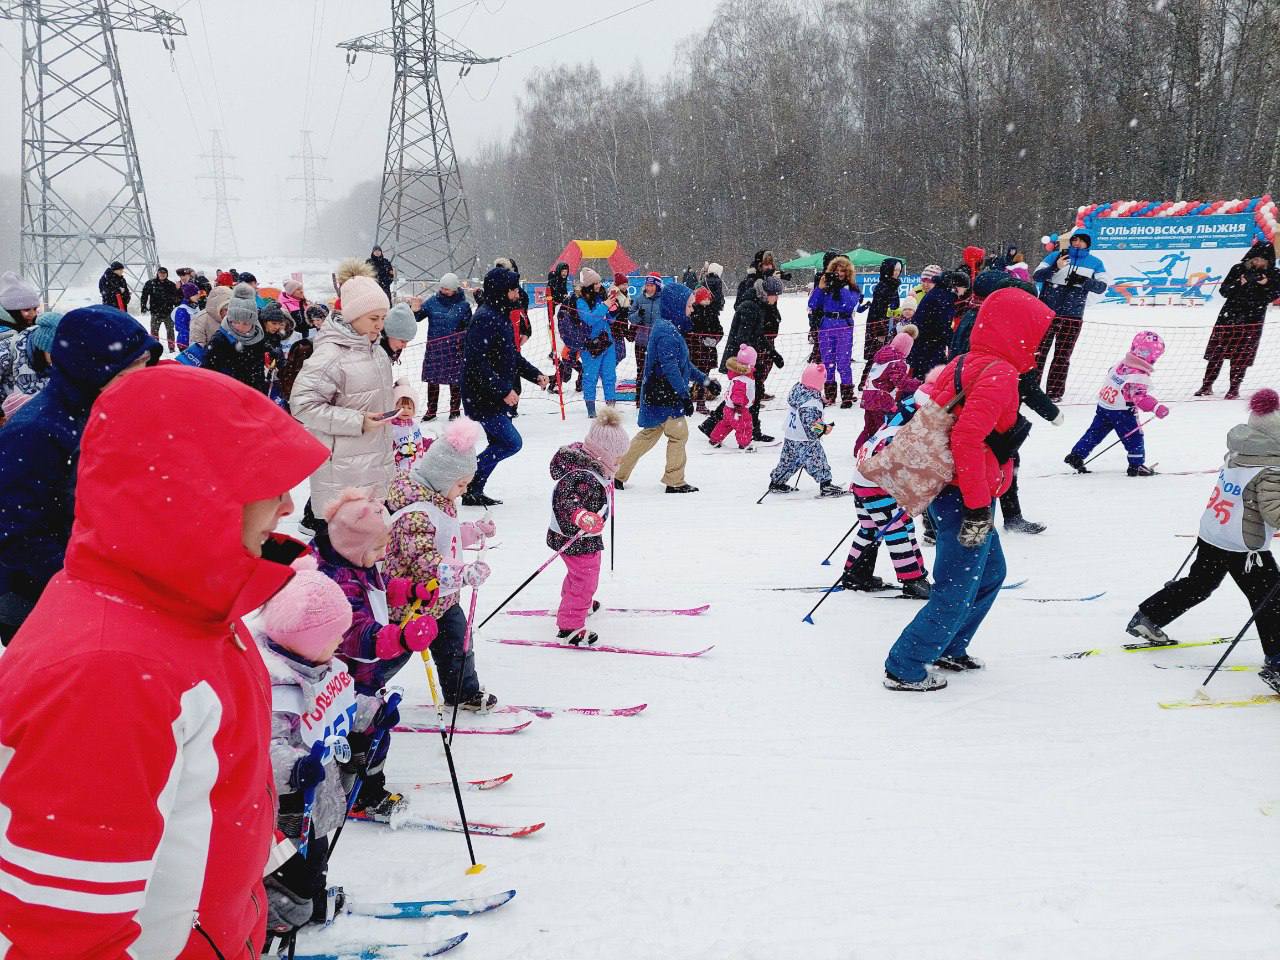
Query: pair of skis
x=403 y=910
x=607 y=648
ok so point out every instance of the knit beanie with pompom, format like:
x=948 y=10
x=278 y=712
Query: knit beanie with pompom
x=607 y=439
x=357 y=524
x=1264 y=410
x=813 y=376
x=449 y=459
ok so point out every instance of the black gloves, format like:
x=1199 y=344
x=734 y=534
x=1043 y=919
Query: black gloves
x=976 y=527
x=1005 y=445
x=777 y=360
x=1075 y=279
x=713 y=388
x=688 y=407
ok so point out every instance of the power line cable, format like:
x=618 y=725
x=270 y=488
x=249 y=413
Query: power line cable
x=577 y=29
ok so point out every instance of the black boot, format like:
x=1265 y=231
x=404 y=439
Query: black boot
x=1075 y=462
x=846 y=396
x=829 y=393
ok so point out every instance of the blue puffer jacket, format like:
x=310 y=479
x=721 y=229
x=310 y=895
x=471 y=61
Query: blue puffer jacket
x=596 y=321
x=668 y=360
x=1064 y=298
x=834 y=311
x=40 y=445
x=445 y=315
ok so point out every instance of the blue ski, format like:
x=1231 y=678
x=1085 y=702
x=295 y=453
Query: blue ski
x=388 y=951
x=402 y=909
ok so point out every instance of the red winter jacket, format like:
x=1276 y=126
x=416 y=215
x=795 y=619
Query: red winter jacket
x=135 y=784
x=1010 y=325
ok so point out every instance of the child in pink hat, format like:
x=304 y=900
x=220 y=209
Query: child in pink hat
x=802 y=443
x=738 y=399
x=888 y=379
x=1126 y=390
x=580 y=501
x=315 y=707
x=374 y=647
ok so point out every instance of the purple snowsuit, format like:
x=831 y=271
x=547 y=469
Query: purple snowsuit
x=835 y=330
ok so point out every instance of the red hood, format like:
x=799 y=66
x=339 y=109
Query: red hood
x=158 y=509
x=1010 y=325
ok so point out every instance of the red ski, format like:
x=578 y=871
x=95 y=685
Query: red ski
x=435 y=728
x=625 y=611
x=407 y=820
x=547 y=712
x=486 y=784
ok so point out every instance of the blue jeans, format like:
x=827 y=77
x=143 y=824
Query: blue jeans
x=603 y=368
x=965 y=585
x=504 y=441
x=1124 y=423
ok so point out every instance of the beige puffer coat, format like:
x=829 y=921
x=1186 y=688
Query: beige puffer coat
x=206 y=323
x=345 y=378
x=1257 y=446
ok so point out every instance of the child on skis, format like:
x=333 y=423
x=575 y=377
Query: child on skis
x=802 y=445
x=889 y=377
x=878 y=519
x=427 y=541
x=1236 y=530
x=313 y=701
x=583 y=493
x=407 y=442
x=1126 y=389
x=373 y=647
x=738 y=399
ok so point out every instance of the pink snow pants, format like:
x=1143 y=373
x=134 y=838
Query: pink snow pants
x=737 y=419
x=579 y=587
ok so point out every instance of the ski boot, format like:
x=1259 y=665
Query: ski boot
x=482 y=702
x=868 y=583
x=1023 y=525
x=618 y=484
x=1075 y=462
x=930 y=683
x=1270 y=673
x=380 y=804
x=959 y=664
x=478 y=499
x=718 y=446
x=918 y=589
x=581 y=637
x=1142 y=627
x=829 y=489
x=762 y=438
x=779 y=487
x=1140 y=470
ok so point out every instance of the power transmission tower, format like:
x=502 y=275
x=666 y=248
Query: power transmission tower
x=422 y=213
x=310 y=201
x=224 y=235
x=77 y=140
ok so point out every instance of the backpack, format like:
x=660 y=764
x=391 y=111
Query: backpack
x=918 y=464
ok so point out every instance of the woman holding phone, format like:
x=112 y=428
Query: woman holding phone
x=344 y=393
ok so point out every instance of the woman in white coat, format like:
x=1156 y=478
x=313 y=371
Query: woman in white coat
x=343 y=390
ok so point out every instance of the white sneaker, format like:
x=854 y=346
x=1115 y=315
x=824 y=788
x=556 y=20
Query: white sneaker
x=931 y=682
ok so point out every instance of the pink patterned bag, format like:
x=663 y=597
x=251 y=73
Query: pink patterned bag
x=915 y=467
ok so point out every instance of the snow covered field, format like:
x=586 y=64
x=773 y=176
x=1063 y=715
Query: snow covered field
x=775 y=801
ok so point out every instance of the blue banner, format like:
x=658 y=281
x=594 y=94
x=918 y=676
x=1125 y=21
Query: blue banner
x=867 y=284
x=1171 y=233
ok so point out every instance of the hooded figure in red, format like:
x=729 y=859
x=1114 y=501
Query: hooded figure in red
x=969 y=566
x=135 y=783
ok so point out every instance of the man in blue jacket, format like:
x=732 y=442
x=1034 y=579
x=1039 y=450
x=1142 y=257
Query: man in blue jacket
x=1067 y=277
x=40 y=448
x=491 y=362
x=665 y=401
x=447 y=315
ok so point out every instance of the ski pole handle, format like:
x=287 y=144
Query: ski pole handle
x=308 y=800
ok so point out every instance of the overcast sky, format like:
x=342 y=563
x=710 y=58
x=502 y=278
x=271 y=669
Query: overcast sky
x=250 y=68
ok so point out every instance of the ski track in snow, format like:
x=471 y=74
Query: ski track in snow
x=775 y=801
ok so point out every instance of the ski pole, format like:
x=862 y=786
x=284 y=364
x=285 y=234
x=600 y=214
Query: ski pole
x=448 y=756
x=555 y=351
x=529 y=579
x=848 y=533
x=1121 y=440
x=466 y=648
x=1184 y=563
x=392 y=702
x=835 y=587
x=612 y=513
x=1271 y=594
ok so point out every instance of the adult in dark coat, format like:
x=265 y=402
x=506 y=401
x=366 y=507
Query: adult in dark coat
x=383 y=271
x=558 y=284
x=114 y=288
x=1249 y=287
x=447 y=314
x=159 y=296
x=934 y=320
x=753 y=317
x=491 y=363
x=40 y=447
x=883 y=299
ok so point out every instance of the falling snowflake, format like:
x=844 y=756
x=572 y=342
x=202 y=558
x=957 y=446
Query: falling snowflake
x=655 y=168
x=973 y=221
x=1133 y=122
x=1010 y=127
x=1022 y=154
x=489 y=215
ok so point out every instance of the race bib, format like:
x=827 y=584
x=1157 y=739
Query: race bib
x=329 y=710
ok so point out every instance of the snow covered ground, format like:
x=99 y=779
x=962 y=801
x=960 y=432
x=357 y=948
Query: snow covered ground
x=775 y=801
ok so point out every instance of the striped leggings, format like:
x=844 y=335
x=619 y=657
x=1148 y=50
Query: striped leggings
x=876 y=512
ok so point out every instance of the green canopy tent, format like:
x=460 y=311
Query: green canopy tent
x=863 y=261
